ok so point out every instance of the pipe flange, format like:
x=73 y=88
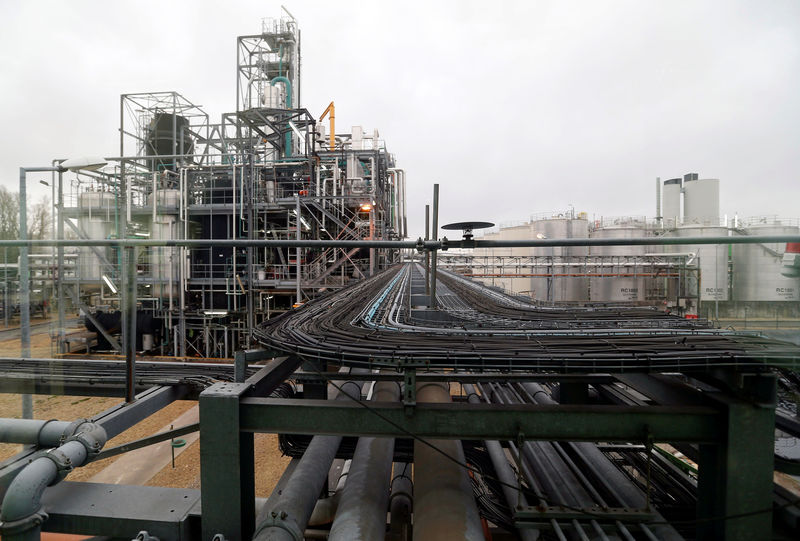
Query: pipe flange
x=91 y=435
x=280 y=519
x=9 y=528
x=61 y=460
x=445 y=244
x=420 y=246
x=69 y=431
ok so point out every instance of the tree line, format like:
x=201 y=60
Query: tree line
x=40 y=221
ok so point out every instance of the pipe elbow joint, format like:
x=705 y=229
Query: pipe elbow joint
x=30 y=522
x=91 y=435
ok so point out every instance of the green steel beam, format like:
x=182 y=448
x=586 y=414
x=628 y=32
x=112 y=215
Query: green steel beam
x=484 y=421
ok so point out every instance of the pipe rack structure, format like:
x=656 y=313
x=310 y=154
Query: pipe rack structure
x=563 y=416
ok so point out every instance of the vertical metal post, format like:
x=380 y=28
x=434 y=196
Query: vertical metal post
x=427 y=253
x=251 y=225
x=434 y=236
x=60 y=255
x=227 y=468
x=130 y=310
x=5 y=286
x=736 y=475
x=24 y=290
x=372 y=237
x=297 y=250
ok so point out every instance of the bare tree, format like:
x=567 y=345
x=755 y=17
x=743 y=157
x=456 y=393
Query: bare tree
x=40 y=220
x=9 y=222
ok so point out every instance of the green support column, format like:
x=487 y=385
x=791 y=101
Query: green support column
x=735 y=477
x=227 y=478
x=316 y=389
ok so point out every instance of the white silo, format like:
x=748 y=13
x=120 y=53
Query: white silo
x=671 y=203
x=701 y=201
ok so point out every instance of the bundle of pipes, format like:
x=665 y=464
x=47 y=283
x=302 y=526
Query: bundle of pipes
x=571 y=474
x=370 y=324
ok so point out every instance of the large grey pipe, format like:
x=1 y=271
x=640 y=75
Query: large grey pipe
x=443 y=504
x=361 y=514
x=514 y=498
x=402 y=493
x=625 y=492
x=287 y=517
x=22 y=514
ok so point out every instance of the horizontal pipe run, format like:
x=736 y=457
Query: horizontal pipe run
x=36 y=432
x=572 y=275
x=484 y=421
x=399 y=244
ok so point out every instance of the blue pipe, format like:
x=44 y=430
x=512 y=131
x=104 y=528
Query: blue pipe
x=288 y=136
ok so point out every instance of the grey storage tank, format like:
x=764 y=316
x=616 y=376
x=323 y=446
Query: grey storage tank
x=560 y=275
x=757 y=267
x=97 y=221
x=711 y=258
x=620 y=276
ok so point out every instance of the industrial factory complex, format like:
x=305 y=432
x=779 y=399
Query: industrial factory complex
x=571 y=377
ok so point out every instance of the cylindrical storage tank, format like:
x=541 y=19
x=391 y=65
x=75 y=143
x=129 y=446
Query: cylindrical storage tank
x=273 y=97
x=757 y=268
x=619 y=268
x=701 y=201
x=671 y=203
x=712 y=260
x=166 y=198
x=168 y=135
x=559 y=275
x=271 y=191
x=164 y=260
x=96 y=221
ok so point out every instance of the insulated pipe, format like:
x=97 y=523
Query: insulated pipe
x=616 y=483
x=443 y=504
x=402 y=492
x=36 y=432
x=514 y=498
x=361 y=514
x=286 y=519
x=21 y=513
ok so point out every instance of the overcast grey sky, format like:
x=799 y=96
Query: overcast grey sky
x=514 y=108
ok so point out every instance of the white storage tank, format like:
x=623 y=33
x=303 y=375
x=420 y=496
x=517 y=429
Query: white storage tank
x=560 y=275
x=712 y=260
x=700 y=201
x=164 y=260
x=274 y=97
x=671 y=203
x=757 y=268
x=97 y=221
x=622 y=263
